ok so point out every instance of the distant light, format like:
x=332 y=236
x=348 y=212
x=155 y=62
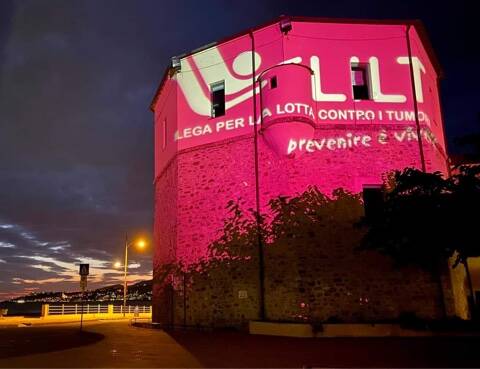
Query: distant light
x=117 y=264
x=141 y=244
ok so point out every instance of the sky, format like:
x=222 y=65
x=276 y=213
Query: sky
x=76 y=133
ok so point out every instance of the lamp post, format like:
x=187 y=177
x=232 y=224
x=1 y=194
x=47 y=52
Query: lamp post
x=140 y=244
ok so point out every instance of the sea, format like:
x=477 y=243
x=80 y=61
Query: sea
x=25 y=309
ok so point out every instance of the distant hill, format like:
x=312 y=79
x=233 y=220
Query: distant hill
x=140 y=291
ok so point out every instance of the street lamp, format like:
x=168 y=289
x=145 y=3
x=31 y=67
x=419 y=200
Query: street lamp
x=140 y=244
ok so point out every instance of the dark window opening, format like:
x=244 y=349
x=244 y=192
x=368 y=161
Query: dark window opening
x=360 y=82
x=218 y=99
x=373 y=202
x=273 y=82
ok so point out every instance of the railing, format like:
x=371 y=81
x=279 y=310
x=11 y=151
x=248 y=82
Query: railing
x=118 y=309
x=77 y=309
x=57 y=310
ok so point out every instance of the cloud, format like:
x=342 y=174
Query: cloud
x=51 y=265
x=42 y=267
x=37 y=281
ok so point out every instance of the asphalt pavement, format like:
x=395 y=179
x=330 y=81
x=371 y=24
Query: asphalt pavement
x=117 y=344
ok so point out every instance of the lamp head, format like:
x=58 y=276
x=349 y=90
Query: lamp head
x=141 y=244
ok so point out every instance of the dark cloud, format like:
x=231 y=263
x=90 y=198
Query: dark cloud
x=76 y=80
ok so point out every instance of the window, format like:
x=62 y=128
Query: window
x=373 y=201
x=164 y=135
x=360 y=81
x=218 y=99
x=273 y=82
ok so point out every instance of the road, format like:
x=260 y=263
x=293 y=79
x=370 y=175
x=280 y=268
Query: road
x=117 y=344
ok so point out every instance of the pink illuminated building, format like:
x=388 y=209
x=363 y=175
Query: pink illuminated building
x=337 y=103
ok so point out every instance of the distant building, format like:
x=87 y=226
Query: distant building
x=337 y=103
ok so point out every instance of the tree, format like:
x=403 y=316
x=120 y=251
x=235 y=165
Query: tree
x=413 y=226
x=426 y=218
x=465 y=203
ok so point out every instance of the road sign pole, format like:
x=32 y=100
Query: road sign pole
x=84 y=271
x=81 y=313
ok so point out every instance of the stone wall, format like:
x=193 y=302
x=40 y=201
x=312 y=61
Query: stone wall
x=198 y=183
x=311 y=274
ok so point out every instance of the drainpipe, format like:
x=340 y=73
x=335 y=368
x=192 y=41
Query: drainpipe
x=448 y=160
x=422 y=155
x=415 y=103
x=261 y=262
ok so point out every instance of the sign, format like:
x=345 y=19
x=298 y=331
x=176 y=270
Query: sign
x=84 y=269
x=332 y=52
x=242 y=294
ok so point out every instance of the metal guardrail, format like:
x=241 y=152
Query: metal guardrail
x=95 y=309
x=77 y=309
x=130 y=309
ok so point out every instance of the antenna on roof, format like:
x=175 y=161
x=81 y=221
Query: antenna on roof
x=285 y=24
x=175 y=64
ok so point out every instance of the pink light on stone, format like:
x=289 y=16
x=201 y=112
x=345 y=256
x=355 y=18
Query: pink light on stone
x=287 y=112
x=335 y=141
